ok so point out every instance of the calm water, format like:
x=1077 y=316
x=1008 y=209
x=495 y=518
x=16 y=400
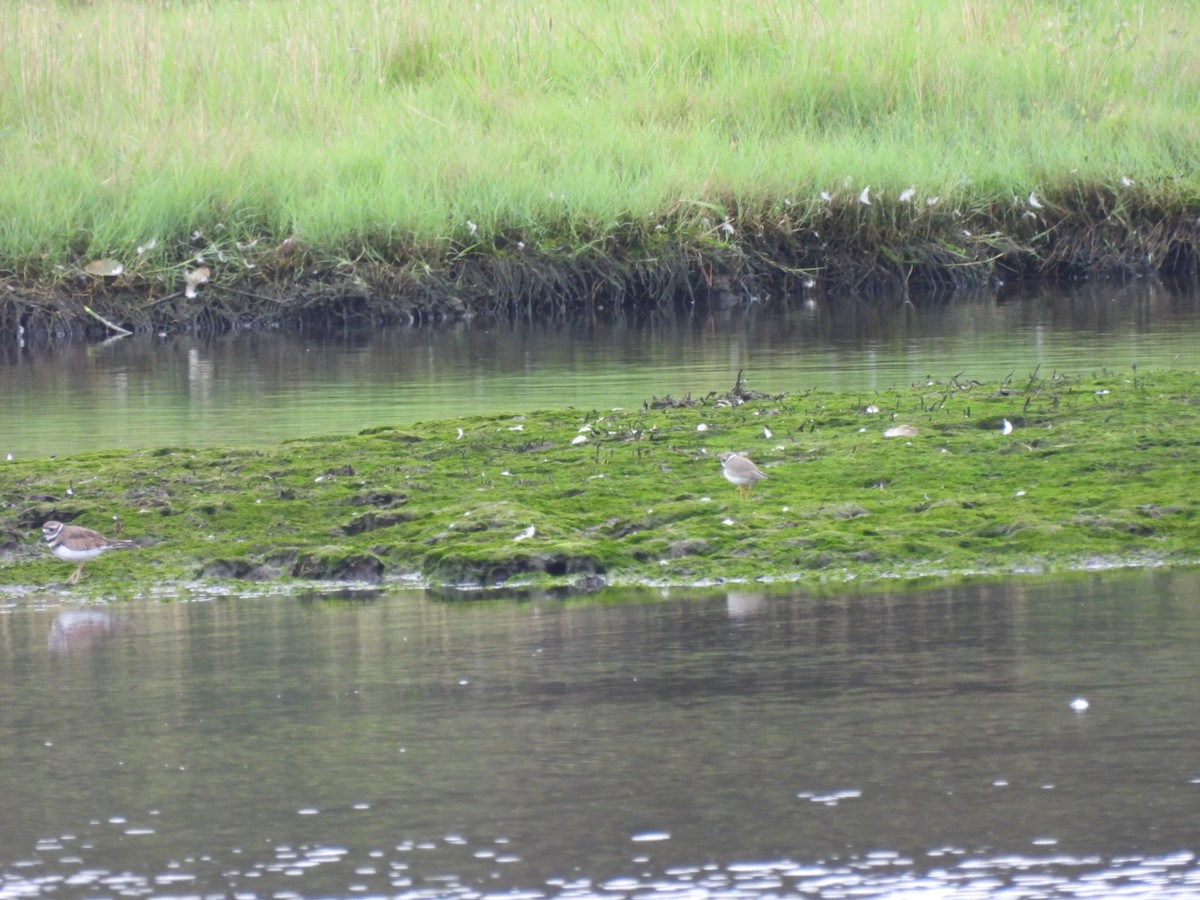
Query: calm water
x=694 y=745
x=261 y=389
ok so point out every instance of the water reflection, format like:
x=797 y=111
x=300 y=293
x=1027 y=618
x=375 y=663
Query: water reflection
x=708 y=744
x=77 y=630
x=745 y=604
x=260 y=389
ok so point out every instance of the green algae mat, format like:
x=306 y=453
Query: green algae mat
x=948 y=478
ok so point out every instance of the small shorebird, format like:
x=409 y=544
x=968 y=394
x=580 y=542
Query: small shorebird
x=741 y=471
x=71 y=543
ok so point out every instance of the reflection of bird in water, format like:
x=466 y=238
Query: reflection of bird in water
x=741 y=471
x=744 y=604
x=82 y=628
x=72 y=543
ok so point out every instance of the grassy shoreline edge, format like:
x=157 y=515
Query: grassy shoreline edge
x=874 y=250
x=1091 y=471
x=186 y=166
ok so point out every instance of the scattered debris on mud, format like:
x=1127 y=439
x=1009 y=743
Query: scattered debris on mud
x=1035 y=474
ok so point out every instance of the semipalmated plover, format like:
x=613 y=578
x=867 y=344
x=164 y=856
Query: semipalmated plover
x=741 y=471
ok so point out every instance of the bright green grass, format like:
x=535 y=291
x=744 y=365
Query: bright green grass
x=380 y=129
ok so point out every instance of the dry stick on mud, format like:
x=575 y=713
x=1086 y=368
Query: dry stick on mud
x=121 y=332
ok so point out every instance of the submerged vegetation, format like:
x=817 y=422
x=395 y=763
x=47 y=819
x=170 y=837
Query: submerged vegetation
x=221 y=164
x=946 y=479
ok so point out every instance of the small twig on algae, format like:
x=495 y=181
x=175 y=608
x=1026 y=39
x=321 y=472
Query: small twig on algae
x=117 y=328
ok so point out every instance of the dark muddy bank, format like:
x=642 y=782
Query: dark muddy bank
x=852 y=248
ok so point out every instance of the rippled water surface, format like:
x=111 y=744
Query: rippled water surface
x=261 y=389
x=696 y=744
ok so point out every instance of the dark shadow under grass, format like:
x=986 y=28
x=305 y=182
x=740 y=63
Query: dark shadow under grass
x=880 y=250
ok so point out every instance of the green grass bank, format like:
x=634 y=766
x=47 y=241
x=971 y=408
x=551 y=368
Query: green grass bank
x=187 y=165
x=1039 y=474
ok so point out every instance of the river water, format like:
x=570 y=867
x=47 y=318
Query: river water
x=250 y=389
x=638 y=744
x=676 y=744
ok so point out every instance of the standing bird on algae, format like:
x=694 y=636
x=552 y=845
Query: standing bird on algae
x=739 y=470
x=73 y=543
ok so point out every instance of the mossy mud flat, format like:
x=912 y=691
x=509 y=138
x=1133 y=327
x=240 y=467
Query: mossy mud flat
x=947 y=479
